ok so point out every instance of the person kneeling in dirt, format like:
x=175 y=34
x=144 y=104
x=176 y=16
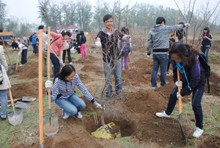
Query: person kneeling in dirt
x=193 y=79
x=64 y=95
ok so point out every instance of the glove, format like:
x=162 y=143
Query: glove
x=98 y=44
x=187 y=24
x=61 y=62
x=179 y=84
x=148 y=55
x=48 y=84
x=178 y=95
x=98 y=105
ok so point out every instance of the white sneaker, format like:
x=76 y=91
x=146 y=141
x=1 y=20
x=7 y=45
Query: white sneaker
x=65 y=115
x=79 y=115
x=71 y=63
x=198 y=132
x=153 y=88
x=162 y=115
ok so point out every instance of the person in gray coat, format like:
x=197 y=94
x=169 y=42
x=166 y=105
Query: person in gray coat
x=4 y=85
x=158 y=43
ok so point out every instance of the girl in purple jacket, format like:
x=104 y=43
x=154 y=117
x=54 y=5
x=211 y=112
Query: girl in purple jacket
x=193 y=80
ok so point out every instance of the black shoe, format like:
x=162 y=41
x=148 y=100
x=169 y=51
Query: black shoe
x=3 y=118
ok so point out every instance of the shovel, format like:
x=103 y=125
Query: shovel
x=16 y=117
x=180 y=108
x=51 y=123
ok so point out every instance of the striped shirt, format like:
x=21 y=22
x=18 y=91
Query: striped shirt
x=63 y=89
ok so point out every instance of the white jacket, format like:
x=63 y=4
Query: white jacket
x=6 y=83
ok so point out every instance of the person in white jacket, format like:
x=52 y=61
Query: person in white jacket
x=4 y=85
x=23 y=50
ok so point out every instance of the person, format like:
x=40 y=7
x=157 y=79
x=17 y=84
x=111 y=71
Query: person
x=125 y=46
x=180 y=34
x=67 y=46
x=57 y=46
x=82 y=44
x=193 y=81
x=108 y=38
x=158 y=42
x=77 y=41
x=23 y=50
x=5 y=84
x=206 y=38
x=34 y=42
x=63 y=93
x=14 y=44
x=45 y=46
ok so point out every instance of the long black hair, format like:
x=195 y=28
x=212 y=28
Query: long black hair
x=185 y=52
x=208 y=31
x=66 y=71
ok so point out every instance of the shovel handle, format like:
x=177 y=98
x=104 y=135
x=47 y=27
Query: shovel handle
x=179 y=89
x=5 y=49
x=48 y=67
x=12 y=101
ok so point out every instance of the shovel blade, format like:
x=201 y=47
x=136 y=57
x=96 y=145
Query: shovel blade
x=15 y=118
x=51 y=126
x=181 y=128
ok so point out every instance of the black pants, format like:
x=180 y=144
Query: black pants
x=68 y=55
x=24 y=56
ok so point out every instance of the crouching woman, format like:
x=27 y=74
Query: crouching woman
x=64 y=95
x=192 y=75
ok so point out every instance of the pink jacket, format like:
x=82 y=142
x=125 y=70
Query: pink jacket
x=57 y=43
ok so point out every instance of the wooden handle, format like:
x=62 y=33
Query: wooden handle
x=12 y=101
x=40 y=87
x=48 y=67
x=6 y=52
x=179 y=89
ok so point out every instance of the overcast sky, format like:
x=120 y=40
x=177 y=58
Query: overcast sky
x=27 y=10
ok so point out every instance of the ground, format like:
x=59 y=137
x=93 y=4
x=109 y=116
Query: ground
x=134 y=114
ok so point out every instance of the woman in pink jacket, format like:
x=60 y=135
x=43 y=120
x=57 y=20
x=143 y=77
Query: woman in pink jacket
x=57 y=47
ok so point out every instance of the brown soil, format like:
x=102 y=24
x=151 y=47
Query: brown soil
x=92 y=68
x=87 y=59
x=29 y=71
x=214 y=84
x=25 y=89
x=211 y=142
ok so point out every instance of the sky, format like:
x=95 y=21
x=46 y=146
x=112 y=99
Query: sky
x=27 y=10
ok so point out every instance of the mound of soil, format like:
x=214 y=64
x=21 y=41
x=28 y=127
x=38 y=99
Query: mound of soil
x=143 y=66
x=214 y=84
x=85 y=78
x=87 y=59
x=25 y=89
x=92 y=68
x=210 y=142
x=29 y=71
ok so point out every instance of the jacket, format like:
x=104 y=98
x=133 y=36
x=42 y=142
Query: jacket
x=158 y=38
x=57 y=43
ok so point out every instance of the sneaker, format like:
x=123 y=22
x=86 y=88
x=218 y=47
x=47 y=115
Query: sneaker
x=3 y=117
x=198 y=132
x=154 y=88
x=79 y=115
x=65 y=115
x=162 y=115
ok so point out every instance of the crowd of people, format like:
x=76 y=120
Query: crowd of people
x=165 y=44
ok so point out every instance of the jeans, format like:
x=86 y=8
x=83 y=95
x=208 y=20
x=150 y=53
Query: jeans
x=205 y=50
x=83 y=50
x=116 y=70
x=71 y=105
x=56 y=64
x=159 y=60
x=35 y=48
x=24 y=56
x=124 y=60
x=68 y=55
x=196 y=104
x=4 y=103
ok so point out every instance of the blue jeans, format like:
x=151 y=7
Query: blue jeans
x=205 y=50
x=159 y=60
x=35 y=48
x=117 y=70
x=71 y=105
x=196 y=104
x=24 y=56
x=4 y=103
x=56 y=64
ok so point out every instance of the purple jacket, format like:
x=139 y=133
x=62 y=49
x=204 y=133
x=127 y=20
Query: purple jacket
x=195 y=75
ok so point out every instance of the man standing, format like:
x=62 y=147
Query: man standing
x=108 y=38
x=158 y=42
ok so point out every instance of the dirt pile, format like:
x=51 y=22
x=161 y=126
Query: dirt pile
x=214 y=84
x=29 y=71
x=87 y=59
x=210 y=142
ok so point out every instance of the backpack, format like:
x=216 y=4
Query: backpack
x=1 y=75
x=207 y=68
x=125 y=46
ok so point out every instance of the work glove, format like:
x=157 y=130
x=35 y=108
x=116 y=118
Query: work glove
x=187 y=25
x=99 y=106
x=98 y=44
x=179 y=84
x=48 y=84
x=178 y=95
x=61 y=62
